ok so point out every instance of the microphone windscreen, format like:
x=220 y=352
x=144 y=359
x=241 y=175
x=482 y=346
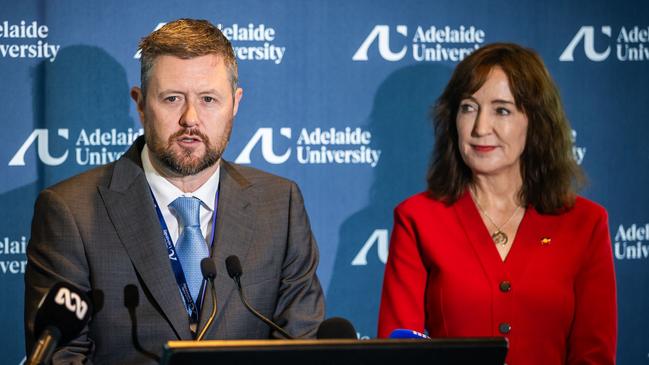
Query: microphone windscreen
x=208 y=268
x=336 y=327
x=233 y=266
x=406 y=334
x=64 y=307
x=97 y=300
x=131 y=296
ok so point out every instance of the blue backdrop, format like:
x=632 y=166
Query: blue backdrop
x=364 y=71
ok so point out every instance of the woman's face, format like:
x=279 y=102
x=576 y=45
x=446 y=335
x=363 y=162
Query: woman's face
x=491 y=129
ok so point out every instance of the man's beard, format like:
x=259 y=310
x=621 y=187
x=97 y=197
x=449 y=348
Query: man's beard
x=182 y=163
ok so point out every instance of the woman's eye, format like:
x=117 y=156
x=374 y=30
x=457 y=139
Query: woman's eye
x=466 y=108
x=503 y=111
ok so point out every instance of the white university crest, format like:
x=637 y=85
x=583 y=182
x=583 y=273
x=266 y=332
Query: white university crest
x=587 y=33
x=42 y=135
x=266 y=137
x=382 y=32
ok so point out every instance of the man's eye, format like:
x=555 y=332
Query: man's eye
x=171 y=99
x=208 y=99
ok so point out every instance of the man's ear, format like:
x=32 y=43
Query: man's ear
x=238 y=93
x=138 y=97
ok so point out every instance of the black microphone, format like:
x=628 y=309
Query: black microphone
x=131 y=302
x=97 y=300
x=61 y=315
x=208 y=269
x=336 y=327
x=233 y=266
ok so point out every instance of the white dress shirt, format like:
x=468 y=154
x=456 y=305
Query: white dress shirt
x=165 y=193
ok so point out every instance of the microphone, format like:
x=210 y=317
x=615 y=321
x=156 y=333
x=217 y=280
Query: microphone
x=97 y=300
x=131 y=302
x=336 y=327
x=208 y=269
x=408 y=334
x=233 y=265
x=61 y=315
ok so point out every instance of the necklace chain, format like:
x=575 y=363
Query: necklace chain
x=499 y=237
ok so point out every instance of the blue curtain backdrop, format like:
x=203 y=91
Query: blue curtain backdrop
x=363 y=71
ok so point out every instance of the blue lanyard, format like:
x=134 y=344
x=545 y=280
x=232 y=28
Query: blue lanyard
x=192 y=308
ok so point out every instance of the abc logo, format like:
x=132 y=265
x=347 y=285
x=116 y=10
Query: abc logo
x=72 y=302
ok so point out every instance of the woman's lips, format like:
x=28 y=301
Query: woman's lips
x=483 y=148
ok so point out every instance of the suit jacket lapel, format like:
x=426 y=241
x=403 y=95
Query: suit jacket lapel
x=234 y=229
x=130 y=207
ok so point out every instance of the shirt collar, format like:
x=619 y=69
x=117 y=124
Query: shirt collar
x=165 y=192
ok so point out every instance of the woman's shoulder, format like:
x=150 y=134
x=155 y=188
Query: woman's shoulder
x=587 y=208
x=583 y=212
x=421 y=202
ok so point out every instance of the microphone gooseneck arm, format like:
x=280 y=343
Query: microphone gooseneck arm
x=257 y=314
x=131 y=302
x=210 y=320
x=233 y=265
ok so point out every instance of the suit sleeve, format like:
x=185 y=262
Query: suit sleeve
x=300 y=304
x=594 y=331
x=55 y=254
x=404 y=282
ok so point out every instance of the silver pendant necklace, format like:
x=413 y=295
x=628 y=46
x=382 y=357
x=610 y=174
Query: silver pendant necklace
x=499 y=237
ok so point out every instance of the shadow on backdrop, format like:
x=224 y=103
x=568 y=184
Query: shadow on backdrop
x=84 y=89
x=401 y=128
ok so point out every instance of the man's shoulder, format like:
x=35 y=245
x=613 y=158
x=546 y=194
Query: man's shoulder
x=84 y=182
x=247 y=175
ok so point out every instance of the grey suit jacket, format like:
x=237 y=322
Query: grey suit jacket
x=99 y=231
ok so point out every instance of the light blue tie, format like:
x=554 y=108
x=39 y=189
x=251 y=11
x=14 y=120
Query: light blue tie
x=191 y=247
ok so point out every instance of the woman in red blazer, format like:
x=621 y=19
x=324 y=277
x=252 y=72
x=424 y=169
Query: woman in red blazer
x=500 y=245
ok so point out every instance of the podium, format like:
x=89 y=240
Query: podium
x=456 y=351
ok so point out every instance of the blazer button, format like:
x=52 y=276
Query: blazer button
x=504 y=328
x=505 y=286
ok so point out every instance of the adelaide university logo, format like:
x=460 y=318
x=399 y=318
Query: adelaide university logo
x=631 y=44
x=631 y=242
x=91 y=148
x=250 y=42
x=339 y=146
x=26 y=39
x=428 y=43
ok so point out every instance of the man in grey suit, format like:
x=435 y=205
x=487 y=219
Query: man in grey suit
x=123 y=224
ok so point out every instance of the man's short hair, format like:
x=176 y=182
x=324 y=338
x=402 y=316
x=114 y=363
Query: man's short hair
x=186 y=38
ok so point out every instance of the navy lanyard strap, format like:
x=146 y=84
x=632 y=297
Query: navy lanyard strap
x=192 y=308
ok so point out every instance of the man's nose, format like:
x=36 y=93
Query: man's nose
x=190 y=116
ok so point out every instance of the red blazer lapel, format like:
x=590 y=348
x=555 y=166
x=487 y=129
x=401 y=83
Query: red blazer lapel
x=478 y=236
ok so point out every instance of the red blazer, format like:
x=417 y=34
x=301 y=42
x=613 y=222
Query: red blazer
x=553 y=297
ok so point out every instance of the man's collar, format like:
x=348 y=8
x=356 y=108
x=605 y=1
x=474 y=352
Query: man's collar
x=165 y=192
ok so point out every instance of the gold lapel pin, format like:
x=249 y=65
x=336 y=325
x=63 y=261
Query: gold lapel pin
x=546 y=241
